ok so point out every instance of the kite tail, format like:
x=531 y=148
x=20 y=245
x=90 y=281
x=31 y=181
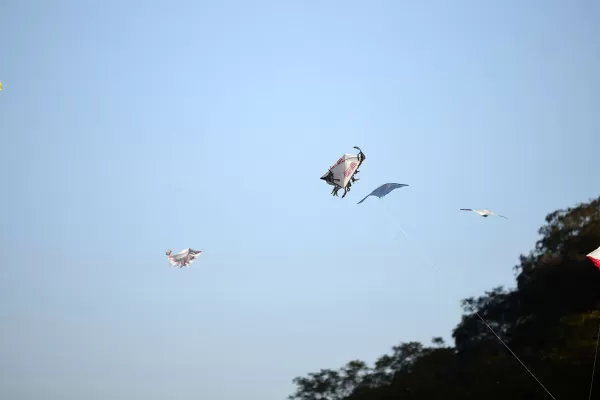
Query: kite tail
x=363 y=199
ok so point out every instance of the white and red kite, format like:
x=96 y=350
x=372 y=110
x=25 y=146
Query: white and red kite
x=341 y=175
x=595 y=257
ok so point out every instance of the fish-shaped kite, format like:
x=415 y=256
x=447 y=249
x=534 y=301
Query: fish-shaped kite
x=184 y=258
x=484 y=213
x=383 y=190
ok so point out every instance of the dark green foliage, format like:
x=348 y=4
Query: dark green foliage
x=550 y=321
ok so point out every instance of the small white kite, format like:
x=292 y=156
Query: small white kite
x=484 y=213
x=184 y=258
x=595 y=257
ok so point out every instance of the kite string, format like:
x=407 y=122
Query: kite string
x=490 y=328
x=393 y=220
x=594 y=367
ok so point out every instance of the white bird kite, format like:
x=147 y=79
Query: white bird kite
x=484 y=213
x=184 y=258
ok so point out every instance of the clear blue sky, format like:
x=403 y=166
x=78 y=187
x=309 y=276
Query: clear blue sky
x=130 y=127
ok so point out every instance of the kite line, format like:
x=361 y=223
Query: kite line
x=492 y=330
x=594 y=367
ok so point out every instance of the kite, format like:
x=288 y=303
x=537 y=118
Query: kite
x=383 y=190
x=0 y=85
x=595 y=257
x=341 y=175
x=484 y=213
x=184 y=258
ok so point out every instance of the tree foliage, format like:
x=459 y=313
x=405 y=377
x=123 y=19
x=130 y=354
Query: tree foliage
x=550 y=321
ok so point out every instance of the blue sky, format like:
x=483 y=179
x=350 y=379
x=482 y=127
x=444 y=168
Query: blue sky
x=128 y=128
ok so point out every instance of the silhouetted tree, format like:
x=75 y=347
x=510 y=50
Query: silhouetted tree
x=550 y=321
